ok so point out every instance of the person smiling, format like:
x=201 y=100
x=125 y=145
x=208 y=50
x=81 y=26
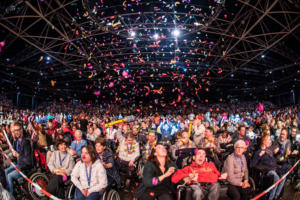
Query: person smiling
x=157 y=173
x=60 y=164
x=237 y=172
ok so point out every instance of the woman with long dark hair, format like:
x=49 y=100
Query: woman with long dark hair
x=89 y=176
x=157 y=173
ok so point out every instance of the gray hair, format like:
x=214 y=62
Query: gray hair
x=240 y=142
x=78 y=132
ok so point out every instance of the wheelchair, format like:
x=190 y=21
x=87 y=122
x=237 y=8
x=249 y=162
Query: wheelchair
x=136 y=176
x=110 y=193
x=184 y=192
x=39 y=174
x=24 y=190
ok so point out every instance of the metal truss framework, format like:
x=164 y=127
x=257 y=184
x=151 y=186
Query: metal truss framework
x=255 y=28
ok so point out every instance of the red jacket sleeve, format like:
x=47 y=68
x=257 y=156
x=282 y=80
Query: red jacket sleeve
x=180 y=174
x=215 y=169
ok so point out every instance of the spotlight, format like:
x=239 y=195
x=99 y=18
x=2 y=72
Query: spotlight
x=263 y=56
x=176 y=32
x=132 y=33
x=48 y=58
x=155 y=36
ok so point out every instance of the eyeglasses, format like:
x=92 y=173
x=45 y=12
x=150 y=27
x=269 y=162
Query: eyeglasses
x=16 y=130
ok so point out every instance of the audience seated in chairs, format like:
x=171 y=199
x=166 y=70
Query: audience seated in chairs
x=199 y=173
x=237 y=172
x=156 y=183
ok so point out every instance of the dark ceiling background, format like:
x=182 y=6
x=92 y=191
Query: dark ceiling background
x=126 y=51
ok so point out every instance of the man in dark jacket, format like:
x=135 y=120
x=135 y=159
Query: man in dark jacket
x=23 y=152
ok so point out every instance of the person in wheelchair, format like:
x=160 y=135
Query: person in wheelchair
x=129 y=151
x=60 y=164
x=265 y=159
x=156 y=183
x=237 y=172
x=89 y=176
x=200 y=173
x=106 y=157
x=23 y=152
x=184 y=142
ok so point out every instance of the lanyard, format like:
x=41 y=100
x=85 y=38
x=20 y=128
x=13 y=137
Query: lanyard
x=18 y=145
x=61 y=160
x=88 y=177
x=240 y=162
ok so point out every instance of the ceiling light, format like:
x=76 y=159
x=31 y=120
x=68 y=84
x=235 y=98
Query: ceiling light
x=176 y=33
x=132 y=33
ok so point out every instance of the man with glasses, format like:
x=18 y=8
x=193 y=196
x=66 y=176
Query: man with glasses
x=22 y=152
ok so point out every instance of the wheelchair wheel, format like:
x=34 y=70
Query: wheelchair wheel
x=71 y=192
x=112 y=195
x=40 y=179
x=252 y=184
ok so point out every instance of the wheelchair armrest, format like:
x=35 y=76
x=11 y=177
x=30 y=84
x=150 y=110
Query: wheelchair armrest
x=181 y=187
x=223 y=181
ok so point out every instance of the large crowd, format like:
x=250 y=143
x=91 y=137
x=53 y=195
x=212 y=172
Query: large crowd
x=81 y=145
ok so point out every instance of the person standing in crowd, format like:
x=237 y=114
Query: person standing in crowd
x=60 y=164
x=200 y=172
x=83 y=124
x=89 y=176
x=77 y=144
x=156 y=183
x=23 y=152
x=237 y=172
x=106 y=158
